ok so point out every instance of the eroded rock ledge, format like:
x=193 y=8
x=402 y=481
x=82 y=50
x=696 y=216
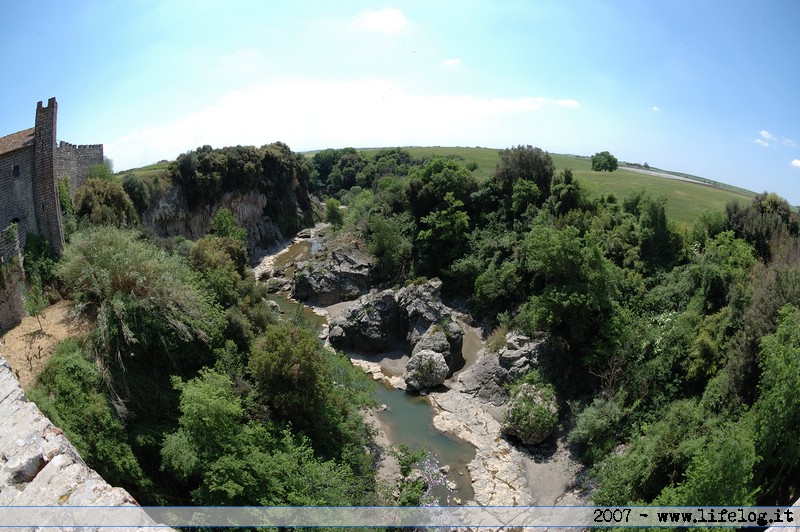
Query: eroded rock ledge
x=39 y=466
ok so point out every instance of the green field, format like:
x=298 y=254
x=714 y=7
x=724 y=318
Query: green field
x=685 y=200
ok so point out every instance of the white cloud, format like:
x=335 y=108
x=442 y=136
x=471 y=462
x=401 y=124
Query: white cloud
x=788 y=142
x=568 y=103
x=761 y=143
x=796 y=163
x=656 y=108
x=386 y=20
x=309 y=114
x=455 y=61
x=767 y=135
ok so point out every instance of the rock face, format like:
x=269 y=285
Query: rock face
x=171 y=216
x=372 y=325
x=413 y=316
x=38 y=466
x=425 y=370
x=517 y=357
x=343 y=275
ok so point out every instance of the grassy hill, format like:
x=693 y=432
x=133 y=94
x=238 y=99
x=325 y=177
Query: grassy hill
x=686 y=200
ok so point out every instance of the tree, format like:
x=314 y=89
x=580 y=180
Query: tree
x=34 y=299
x=333 y=213
x=604 y=162
x=104 y=202
x=224 y=225
x=528 y=163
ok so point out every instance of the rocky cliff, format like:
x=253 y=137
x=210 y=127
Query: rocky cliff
x=172 y=216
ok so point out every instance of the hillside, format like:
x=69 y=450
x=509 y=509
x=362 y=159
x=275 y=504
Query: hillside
x=686 y=199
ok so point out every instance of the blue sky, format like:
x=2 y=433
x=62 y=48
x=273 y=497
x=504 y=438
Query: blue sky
x=709 y=88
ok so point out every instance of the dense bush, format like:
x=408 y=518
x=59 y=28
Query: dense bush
x=104 y=202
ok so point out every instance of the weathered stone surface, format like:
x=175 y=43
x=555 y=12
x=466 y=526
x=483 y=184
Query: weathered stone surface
x=414 y=315
x=12 y=309
x=425 y=370
x=39 y=467
x=447 y=341
x=343 y=275
x=491 y=371
x=371 y=325
x=530 y=431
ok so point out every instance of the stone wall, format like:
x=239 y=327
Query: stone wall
x=38 y=466
x=12 y=309
x=16 y=192
x=74 y=161
x=45 y=194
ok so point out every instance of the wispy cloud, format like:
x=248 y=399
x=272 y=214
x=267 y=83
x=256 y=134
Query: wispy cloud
x=655 y=108
x=455 y=61
x=762 y=143
x=788 y=142
x=796 y=163
x=366 y=113
x=386 y=20
x=568 y=103
x=767 y=135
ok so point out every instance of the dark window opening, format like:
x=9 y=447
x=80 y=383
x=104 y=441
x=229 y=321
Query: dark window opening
x=15 y=170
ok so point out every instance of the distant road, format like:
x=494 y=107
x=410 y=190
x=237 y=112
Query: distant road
x=662 y=174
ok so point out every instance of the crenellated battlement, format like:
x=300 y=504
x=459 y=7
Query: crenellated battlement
x=68 y=145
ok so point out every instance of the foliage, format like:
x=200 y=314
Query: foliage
x=777 y=410
x=333 y=213
x=34 y=300
x=525 y=163
x=390 y=242
x=152 y=320
x=104 y=170
x=104 y=202
x=604 y=162
x=205 y=174
x=137 y=191
x=71 y=393
x=67 y=207
x=530 y=415
x=234 y=462
x=223 y=225
x=40 y=261
x=596 y=429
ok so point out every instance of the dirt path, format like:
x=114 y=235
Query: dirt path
x=26 y=347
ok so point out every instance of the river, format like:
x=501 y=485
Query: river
x=405 y=418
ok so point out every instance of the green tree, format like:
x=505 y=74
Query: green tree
x=70 y=391
x=104 y=202
x=777 y=410
x=34 y=299
x=224 y=225
x=604 y=162
x=137 y=191
x=104 y=170
x=525 y=163
x=443 y=237
x=333 y=213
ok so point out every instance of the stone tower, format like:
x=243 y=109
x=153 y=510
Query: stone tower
x=45 y=192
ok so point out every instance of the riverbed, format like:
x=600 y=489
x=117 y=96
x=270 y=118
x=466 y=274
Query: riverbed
x=478 y=465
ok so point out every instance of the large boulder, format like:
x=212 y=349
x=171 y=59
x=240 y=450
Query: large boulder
x=413 y=315
x=425 y=370
x=421 y=306
x=371 y=325
x=487 y=379
x=343 y=275
x=532 y=414
x=446 y=339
